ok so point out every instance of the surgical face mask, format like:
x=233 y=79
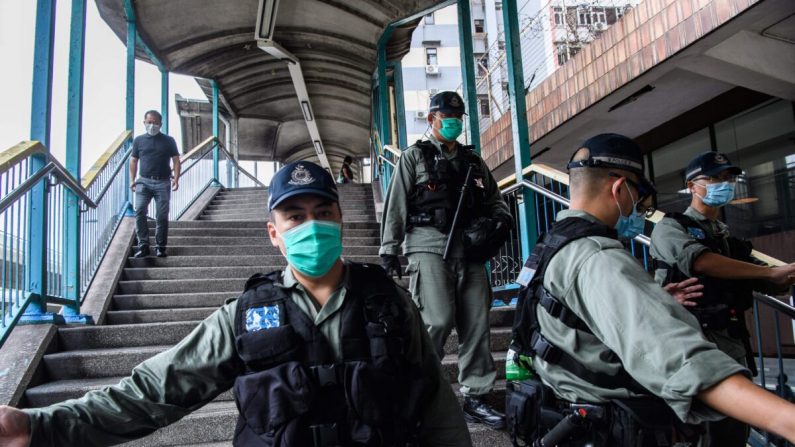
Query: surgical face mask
x=630 y=226
x=451 y=128
x=313 y=247
x=152 y=128
x=718 y=194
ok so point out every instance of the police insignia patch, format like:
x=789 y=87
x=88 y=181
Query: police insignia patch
x=301 y=176
x=479 y=183
x=720 y=159
x=266 y=317
x=697 y=233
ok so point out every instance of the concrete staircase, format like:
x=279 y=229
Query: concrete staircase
x=159 y=300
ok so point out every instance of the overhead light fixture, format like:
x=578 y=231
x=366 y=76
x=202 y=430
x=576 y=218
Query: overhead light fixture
x=318 y=147
x=266 y=19
x=307 y=110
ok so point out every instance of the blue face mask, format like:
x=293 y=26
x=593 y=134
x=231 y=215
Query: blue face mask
x=630 y=226
x=718 y=194
x=451 y=128
x=313 y=247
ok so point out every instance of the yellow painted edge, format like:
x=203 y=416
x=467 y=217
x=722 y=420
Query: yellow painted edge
x=103 y=159
x=538 y=168
x=197 y=148
x=17 y=153
x=767 y=259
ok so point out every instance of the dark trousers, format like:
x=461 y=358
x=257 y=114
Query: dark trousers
x=728 y=433
x=146 y=190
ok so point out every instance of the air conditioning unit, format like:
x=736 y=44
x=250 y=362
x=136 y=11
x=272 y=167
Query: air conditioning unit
x=432 y=69
x=599 y=26
x=419 y=114
x=432 y=92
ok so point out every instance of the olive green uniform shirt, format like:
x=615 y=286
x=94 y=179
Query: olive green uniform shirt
x=170 y=385
x=658 y=342
x=674 y=245
x=411 y=170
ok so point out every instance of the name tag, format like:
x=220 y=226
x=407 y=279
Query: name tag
x=525 y=276
x=258 y=318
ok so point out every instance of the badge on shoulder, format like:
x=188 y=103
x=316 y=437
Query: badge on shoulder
x=258 y=318
x=697 y=233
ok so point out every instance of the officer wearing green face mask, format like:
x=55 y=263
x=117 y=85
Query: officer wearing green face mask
x=324 y=353
x=418 y=214
x=697 y=244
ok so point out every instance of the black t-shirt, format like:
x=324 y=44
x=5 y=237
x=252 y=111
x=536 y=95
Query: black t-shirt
x=154 y=153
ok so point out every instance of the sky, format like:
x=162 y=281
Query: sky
x=104 y=82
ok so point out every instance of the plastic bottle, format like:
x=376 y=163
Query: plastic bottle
x=518 y=367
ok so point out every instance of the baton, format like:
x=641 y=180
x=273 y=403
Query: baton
x=457 y=212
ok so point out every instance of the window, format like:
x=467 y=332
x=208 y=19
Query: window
x=430 y=56
x=429 y=19
x=482 y=63
x=501 y=45
x=566 y=52
x=498 y=6
x=483 y=100
x=583 y=17
x=598 y=15
x=557 y=13
x=479 y=26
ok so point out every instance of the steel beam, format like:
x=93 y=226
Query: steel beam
x=519 y=129
x=397 y=75
x=215 y=131
x=164 y=100
x=468 y=73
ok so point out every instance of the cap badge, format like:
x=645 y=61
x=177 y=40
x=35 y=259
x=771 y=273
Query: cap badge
x=455 y=102
x=301 y=176
x=720 y=158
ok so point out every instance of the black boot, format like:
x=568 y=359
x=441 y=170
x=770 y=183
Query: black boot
x=475 y=410
x=161 y=252
x=142 y=252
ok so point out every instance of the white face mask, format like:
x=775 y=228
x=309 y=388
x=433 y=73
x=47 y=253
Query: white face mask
x=152 y=129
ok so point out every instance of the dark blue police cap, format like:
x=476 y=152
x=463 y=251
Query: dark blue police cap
x=300 y=177
x=447 y=102
x=611 y=150
x=710 y=164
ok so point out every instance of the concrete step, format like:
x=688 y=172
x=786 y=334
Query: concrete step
x=172 y=300
x=262 y=250
x=125 y=335
x=263 y=198
x=254 y=241
x=260 y=214
x=361 y=225
x=261 y=232
x=262 y=218
x=168 y=273
x=450 y=365
x=500 y=339
x=88 y=363
x=181 y=286
x=265 y=262
x=137 y=316
x=214 y=423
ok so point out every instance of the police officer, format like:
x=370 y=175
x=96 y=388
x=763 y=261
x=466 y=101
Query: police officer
x=620 y=362
x=696 y=244
x=323 y=353
x=419 y=212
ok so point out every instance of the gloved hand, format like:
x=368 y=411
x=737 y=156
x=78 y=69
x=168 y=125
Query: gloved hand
x=391 y=264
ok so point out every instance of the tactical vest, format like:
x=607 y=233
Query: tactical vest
x=527 y=337
x=293 y=393
x=724 y=301
x=433 y=202
x=639 y=422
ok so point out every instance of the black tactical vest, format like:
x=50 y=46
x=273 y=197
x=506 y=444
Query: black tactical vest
x=733 y=296
x=527 y=337
x=433 y=202
x=293 y=393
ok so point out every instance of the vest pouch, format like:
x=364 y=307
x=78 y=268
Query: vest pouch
x=649 y=422
x=267 y=347
x=272 y=403
x=523 y=401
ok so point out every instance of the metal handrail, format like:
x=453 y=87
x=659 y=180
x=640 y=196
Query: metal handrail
x=19 y=152
x=237 y=165
x=197 y=148
x=93 y=173
x=382 y=158
x=122 y=165
x=53 y=167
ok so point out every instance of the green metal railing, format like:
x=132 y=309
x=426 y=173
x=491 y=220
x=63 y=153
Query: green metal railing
x=103 y=198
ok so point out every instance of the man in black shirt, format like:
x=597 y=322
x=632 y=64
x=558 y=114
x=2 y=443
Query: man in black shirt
x=153 y=149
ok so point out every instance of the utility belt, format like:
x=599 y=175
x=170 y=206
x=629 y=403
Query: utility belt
x=539 y=419
x=715 y=318
x=438 y=219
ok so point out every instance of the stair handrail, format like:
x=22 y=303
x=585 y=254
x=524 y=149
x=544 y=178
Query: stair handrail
x=237 y=165
x=92 y=174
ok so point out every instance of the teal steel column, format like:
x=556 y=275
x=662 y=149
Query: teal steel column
x=40 y=114
x=468 y=72
x=397 y=75
x=164 y=100
x=521 y=140
x=215 y=131
x=129 y=121
x=382 y=103
x=74 y=126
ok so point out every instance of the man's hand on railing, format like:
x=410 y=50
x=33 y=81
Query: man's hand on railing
x=783 y=276
x=685 y=291
x=14 y=427
x=391 y=264
x=174 y=184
